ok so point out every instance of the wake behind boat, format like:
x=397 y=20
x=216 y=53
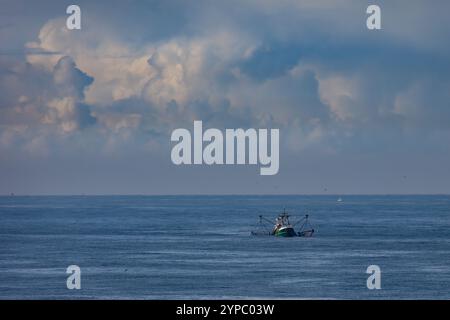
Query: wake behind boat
x=283 y=227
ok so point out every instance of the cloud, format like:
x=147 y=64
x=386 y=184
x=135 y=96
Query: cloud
x=310 y=68
x=69 y=80
x=425 y=105
x=301 y=78
x=270 y=61
x=68 y=114
x=39 y=101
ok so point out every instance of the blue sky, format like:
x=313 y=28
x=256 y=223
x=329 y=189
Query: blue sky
x=91 y=111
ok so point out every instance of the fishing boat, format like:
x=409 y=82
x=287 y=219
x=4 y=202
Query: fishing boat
x=283 y=227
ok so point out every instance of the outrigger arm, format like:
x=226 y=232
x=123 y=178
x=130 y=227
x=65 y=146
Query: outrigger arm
x=305 y=218
x=261 y=219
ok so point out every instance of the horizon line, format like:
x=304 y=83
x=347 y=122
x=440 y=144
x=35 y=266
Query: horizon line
x=218 y=194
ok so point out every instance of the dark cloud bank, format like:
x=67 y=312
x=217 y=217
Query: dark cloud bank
x=91 y=111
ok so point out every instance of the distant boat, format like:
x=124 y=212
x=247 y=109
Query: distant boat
x=283 y=227
x=339 y=199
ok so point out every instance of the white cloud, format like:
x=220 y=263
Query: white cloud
x=211 y=73
x=339 y=92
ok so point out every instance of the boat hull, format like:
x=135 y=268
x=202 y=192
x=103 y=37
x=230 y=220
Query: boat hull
x=285 y=232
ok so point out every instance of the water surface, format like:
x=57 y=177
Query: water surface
x=182 y=247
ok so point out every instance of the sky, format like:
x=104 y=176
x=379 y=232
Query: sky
x=91 y=111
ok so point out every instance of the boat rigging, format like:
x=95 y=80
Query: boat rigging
x=283 y=227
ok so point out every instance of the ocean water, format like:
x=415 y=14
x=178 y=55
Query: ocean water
x=200 y=247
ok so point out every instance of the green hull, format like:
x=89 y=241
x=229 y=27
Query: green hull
x=285 y=232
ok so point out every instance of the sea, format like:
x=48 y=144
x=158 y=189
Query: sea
x=201 y=247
